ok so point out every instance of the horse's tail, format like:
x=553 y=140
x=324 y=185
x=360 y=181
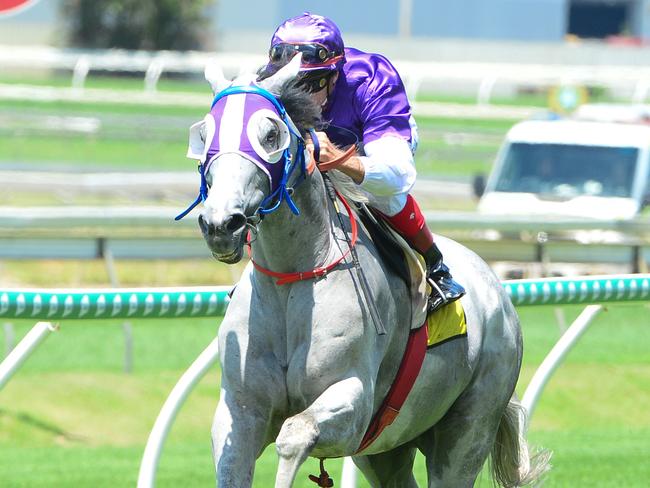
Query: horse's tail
x=513 y=464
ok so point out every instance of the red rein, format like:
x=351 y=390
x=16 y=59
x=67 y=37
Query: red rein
x=285 y=278
x=335 y=163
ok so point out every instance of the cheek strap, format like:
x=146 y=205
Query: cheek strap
x=203 y=194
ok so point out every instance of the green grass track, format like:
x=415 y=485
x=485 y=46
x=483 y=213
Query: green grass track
x=72 y=418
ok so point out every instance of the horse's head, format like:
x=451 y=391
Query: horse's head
x=251 y=154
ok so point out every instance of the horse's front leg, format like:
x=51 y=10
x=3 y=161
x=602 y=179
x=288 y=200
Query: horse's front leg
x=238 y=436
x=252 y=391
x=332 y=424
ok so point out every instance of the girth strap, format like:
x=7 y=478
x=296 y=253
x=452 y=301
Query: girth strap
x=416 y=349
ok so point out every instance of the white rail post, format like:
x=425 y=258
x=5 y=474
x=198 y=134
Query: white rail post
x=556 y=356
x=640 y=90
x=127 y=331
x=152 y=75
x=10 y=337
x=23 y=350
x=404 y=18
x=412 y=87
x=80 y=72
x=485 y=90
x=560 y=318
x=198 y=369
x=104 y=251
x=349 y=474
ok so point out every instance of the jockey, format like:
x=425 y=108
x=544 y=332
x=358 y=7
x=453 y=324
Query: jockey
x=362 y=94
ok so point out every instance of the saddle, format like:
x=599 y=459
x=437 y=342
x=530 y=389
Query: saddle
x=442 y=325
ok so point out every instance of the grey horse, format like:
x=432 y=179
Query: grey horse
x=302 y=363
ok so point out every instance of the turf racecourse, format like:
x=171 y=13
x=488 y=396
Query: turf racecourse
x=71 y=418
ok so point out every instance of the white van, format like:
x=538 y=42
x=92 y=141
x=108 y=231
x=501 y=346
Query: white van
x=570 y=168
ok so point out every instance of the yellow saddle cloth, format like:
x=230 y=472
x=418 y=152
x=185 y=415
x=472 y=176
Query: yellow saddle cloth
x=446 y=323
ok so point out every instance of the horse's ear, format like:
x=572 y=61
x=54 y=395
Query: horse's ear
x=289 y=72
x=214 y=75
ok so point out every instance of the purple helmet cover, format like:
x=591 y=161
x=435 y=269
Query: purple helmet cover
x=311 y=28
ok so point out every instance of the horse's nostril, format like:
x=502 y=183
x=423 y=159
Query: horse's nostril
x=235 y=222
x=203 y=225
x=230 y=225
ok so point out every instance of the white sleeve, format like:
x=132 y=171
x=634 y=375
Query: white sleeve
x=389 y=166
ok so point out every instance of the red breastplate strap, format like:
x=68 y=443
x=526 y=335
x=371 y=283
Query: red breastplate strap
x=416 y=349
x=284 y=278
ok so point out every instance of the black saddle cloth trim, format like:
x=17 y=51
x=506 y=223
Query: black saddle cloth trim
x=389 y=250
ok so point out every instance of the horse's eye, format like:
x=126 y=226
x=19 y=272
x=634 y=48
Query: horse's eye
x=271 y=141
x=268 y=135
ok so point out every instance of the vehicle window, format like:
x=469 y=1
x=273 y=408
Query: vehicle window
x=565 y=171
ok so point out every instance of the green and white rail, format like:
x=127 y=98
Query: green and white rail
x=112 y=303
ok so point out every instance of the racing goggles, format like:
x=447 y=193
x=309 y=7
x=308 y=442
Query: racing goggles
x=313 y=54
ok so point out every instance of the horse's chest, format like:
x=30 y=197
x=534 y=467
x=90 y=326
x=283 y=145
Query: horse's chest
x=315 y=336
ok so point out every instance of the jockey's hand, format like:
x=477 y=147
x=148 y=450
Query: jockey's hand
x=352 y=166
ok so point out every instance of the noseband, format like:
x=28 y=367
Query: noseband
x=288 y=161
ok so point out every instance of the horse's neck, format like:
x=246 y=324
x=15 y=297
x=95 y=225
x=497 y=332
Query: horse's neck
x=288 y=242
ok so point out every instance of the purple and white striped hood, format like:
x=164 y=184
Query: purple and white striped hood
x=232 y=126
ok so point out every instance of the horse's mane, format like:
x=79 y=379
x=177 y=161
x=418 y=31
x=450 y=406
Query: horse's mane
x=346 y=187
x=302 y=110
x=300 y=107
x=306 y=115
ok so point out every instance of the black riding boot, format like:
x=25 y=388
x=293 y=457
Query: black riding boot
x=444 y=289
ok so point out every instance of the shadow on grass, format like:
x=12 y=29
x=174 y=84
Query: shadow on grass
x=32 y=422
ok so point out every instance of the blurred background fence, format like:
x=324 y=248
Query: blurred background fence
x=95 y=232
x=633 y=81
